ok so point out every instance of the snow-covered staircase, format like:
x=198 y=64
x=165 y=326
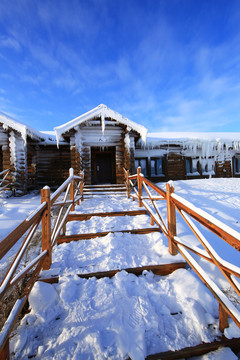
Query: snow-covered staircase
x=107 y=219
x=105 y=190
x=126 y=315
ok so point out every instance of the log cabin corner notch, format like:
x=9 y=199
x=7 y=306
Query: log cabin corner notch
x=102 y=142
x=14 y=143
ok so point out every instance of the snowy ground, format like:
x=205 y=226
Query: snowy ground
x=128 y=315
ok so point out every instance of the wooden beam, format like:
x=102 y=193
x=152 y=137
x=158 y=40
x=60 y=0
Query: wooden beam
x=221 y=232
x=163 y=270
x=5 y=354
x=88 y=236
x=15 y=235
x=171 y=215
x=198 y=350
x=223 y=318
x=46 y=227
x=80 y=217
x=139 y=182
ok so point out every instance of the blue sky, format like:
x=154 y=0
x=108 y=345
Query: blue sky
x=170 y=65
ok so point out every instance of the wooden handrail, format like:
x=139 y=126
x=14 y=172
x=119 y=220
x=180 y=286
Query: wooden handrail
x=231 y=236
x=11 y=239
x=49 y=238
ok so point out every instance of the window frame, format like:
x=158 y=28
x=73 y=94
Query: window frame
x=155 y=158
x=139 y=159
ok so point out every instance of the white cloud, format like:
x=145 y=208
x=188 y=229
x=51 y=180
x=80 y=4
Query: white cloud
x=9 y=42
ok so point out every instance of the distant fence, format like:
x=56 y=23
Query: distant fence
x=71 y=192
x=135 y=185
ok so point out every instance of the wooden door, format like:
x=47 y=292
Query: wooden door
x=103 y=166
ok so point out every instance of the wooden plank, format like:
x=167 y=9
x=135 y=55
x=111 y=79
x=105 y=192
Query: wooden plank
x=162 y=270
x=16 y=234
x=171 y=215
x=88 y=236
x=223 y=318
x=233 y=241
x=80 y=217
x=198 y=350
x=5 y=354
x=155 y=187
x=217 y=293
x=46 y=227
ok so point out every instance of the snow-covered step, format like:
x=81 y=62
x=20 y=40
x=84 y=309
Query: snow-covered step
x=74 y=216
x=68 y=238
x=104 y=186
x=162 y=270
x=98 y=189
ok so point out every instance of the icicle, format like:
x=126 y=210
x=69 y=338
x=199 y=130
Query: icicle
x=103 y=121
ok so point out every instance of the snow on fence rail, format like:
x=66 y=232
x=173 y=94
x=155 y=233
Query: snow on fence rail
x=135 y=185
x=4 y=180
x=50 y=230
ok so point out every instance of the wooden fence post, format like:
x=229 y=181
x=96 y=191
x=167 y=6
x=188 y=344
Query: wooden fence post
x=171 y=215
x=223 y=318
x=128 y=185
x=139 y=182
x=81 y=184
x=46 y=228
x=5 y=354
x=71 y=173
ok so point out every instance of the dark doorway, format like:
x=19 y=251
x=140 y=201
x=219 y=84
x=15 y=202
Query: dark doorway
x=103 y=166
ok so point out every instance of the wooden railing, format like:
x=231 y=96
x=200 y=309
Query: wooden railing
x=135 y=185
x=71 y=192
x=4 y=181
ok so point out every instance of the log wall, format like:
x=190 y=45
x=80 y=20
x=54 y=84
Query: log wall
x=175 y=167
x=18 y=159
x=5 y=150
x=224 y=169
x=52 y=165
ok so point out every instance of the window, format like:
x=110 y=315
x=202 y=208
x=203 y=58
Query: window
x=236 y=165
x=143 y=163
x=156 y=167
x=188 y=165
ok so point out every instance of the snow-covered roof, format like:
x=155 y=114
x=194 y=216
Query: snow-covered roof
x=103 y=112
x=188 y=136
x=49 y=138
x=24 y=130
x=209 y=142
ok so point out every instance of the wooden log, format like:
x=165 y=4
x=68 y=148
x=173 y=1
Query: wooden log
x=88 y=236
x=221 y=232
x=4 y=353
x=223 y=318
x=128 y=184
x=16 y=234
x=156 y=188
x=46 y=228
x=198 y=350
x=71 y=191
x=139 y=182
x=81 y=217
x=162 y=270
x=171 y=215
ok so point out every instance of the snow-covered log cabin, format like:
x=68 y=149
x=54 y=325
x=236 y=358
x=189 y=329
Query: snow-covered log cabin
x=32 y=156
x=101 y=142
